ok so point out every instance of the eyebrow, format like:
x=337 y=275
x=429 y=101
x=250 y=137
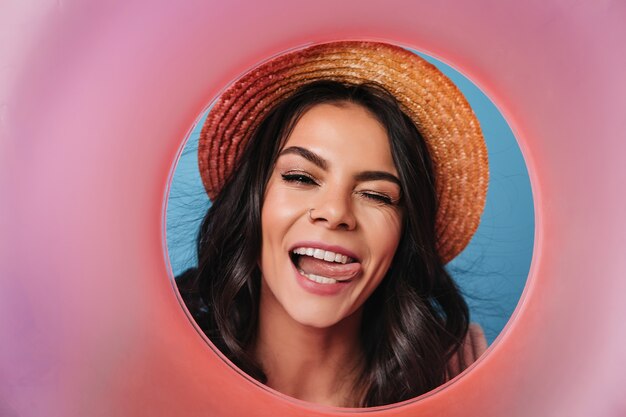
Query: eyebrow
x=323 y=164
x=306 y=154
x=378 y=176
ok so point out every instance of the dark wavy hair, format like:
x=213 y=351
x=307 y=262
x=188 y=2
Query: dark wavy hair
x=412 y=324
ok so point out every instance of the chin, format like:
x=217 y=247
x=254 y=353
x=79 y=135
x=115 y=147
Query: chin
x=314 y=317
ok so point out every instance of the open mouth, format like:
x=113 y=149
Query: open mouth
x=324 y=267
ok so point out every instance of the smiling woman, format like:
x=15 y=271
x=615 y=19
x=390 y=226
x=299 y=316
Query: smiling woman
x=321 y=260
x=320 y=190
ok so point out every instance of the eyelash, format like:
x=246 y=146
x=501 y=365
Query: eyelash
x=378 y=198
x=298 y=178
x=305 y=179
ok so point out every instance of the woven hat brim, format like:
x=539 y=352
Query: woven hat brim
x=437 y=107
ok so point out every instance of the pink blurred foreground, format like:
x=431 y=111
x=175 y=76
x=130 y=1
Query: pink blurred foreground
x=95 y=101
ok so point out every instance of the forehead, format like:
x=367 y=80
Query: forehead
x=344 y=132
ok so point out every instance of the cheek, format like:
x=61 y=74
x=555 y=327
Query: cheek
x=279 y=210
x=384 y=234
x=279 y=213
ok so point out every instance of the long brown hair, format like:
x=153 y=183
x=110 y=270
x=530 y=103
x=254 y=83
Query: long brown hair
x=413 y=322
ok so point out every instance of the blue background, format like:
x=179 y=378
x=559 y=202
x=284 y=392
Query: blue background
x=491 y=271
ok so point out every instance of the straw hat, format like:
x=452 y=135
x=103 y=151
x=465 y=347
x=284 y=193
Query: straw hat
x=439 y=110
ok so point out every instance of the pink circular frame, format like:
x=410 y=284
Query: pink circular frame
x=94 y=102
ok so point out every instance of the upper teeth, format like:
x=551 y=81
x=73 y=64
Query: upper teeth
x=326 y=255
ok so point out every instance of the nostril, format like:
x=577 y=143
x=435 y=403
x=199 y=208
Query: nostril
x=335 y=213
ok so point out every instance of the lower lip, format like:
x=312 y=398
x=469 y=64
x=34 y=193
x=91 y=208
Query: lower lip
x=317 y=288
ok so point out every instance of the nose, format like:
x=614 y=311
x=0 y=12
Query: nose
x=334 y=212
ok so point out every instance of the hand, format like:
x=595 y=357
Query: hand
x=474 y=345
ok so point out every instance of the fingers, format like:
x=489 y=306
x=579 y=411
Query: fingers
x=478 y=341
x=454 y=366
x=472 y=348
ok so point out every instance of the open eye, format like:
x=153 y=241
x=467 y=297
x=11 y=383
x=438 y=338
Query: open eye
x=298 y=177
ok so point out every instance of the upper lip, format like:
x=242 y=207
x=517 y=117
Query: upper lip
x=328 y=247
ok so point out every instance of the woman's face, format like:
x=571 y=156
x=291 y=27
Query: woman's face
x=331 y=220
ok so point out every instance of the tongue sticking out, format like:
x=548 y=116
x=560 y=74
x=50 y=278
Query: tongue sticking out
x=340 y=272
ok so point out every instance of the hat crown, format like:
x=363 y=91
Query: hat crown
x=437 y=107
